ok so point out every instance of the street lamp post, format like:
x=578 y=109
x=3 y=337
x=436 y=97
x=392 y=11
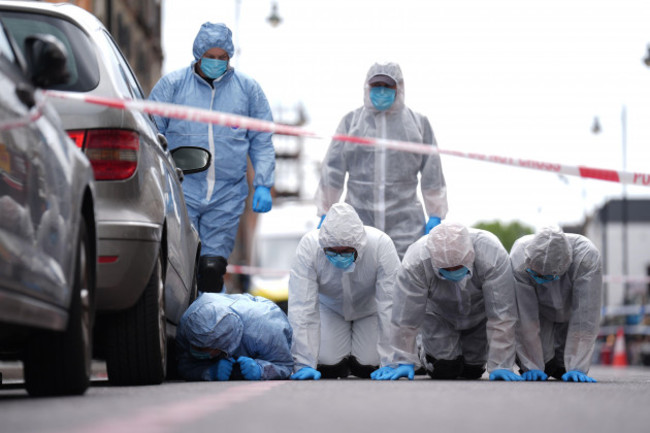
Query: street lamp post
x=625 y=269
x=274 y=19
x=596 y=129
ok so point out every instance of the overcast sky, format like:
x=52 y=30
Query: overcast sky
x=519 y=78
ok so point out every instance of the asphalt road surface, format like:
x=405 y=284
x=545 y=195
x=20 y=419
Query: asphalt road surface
x=618 y=403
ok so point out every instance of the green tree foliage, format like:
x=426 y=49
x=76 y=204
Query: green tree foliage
x=507 y=233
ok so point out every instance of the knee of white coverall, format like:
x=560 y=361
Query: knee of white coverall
x=474 y=344
x=439 y=338
x=335 y=337
x=365 y=336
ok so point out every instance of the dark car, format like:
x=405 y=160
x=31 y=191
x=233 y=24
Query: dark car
x=148 y=249
x=47 y=226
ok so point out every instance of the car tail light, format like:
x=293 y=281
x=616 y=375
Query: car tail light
x=113 y=153
x=78 y=138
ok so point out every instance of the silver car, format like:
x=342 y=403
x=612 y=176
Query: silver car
x=148 y=249
x=47 y=227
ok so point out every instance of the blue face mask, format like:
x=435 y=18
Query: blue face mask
x=456 y=275
x=382 y=97
x=342 y=260
x=213 y=68
x=541 y=279
x=199 y=355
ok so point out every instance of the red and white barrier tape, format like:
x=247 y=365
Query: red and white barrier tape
x=232 y=120
x=32 y=116
x=184 y=112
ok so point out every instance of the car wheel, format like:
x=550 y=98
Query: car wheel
x=136 y=338
x=59 y=363
x=172 y=361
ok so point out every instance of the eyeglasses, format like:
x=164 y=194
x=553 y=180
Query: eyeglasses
x=340 y=251
x=453 y=268
x=383 y=85
x=223 y=57
x=542 y=277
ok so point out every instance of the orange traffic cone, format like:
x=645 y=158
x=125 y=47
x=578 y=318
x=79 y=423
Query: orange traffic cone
x=620 y=355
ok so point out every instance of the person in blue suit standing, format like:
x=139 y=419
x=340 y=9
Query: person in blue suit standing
x=216 y=198
x=228 y=337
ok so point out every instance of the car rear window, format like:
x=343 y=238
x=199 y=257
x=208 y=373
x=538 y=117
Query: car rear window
x=82 y=62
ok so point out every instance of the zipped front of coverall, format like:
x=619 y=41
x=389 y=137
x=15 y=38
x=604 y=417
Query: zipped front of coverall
x=211 y=174
x=380 y=177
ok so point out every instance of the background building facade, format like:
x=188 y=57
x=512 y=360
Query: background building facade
x=620 y=229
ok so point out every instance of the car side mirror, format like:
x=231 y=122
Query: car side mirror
x=191 y=159
x=46 y=59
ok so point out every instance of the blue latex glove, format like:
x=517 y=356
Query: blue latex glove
x=262 y=201
x=306 y=373
x=249 y=368
x=503 y=374
x=533 y=375
x=577 y=376
x=382 y=373
x=433 y=221
x=321 y=221
x=221 y=370
x=403 y=370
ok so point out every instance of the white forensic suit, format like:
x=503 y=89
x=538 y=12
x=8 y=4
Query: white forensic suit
x=559 y=319
x=382 y=183
x=464 y=324
x=340 y=317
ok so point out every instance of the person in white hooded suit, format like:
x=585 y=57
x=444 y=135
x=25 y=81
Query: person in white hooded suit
x=340 y=297
x=455 y=286
x=382 y=183
x=559 y=283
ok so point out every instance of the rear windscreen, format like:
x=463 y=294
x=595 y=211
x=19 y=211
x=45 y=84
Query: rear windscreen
x=81 y=63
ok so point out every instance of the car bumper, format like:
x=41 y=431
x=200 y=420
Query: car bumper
x=126 y=254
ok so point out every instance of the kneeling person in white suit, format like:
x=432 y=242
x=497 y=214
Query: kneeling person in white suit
x=340 y=297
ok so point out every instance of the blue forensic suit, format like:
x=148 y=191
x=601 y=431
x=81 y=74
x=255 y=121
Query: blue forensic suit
x=216 y=198
x=238 y=325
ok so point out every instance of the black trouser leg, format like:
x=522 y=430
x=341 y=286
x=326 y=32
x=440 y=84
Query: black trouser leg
x=211 y=272
x=340 y=369
x=361 y=370
x=554 y=368
x=445 y=369
x=472 y=371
